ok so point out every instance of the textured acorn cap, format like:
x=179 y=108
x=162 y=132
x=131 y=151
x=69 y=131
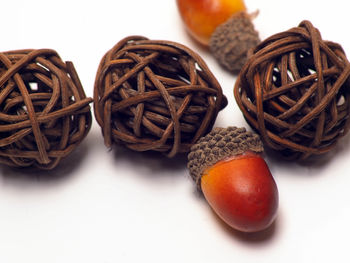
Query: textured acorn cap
x=232 y=41
x=219 y=144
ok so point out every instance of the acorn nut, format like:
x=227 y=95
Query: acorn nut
x=228 y=168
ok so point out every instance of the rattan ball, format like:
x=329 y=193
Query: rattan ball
x=44 y=113
x=294 y=91
x=154 y=95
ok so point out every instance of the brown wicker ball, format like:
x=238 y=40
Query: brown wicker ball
x=155 y=95
x=44 y=113
x=295 y=91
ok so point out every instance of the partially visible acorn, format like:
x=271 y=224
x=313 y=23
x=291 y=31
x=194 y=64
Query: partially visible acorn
x=224 y=26
x=228 y=168
x=232 y=42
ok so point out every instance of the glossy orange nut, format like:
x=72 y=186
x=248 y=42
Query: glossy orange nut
x=201 y=17
x=242 y=192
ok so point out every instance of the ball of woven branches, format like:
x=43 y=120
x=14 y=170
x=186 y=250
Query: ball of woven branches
x=295 y=90
x=155 y=95
x=44 y=113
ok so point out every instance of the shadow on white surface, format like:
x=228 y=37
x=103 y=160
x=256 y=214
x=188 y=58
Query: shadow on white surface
x=316 y=162
x=153 y=164
x=66 y=168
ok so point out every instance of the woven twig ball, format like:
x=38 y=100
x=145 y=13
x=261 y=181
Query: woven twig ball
x=155 y=95
x=294 y=91
x=44 y=113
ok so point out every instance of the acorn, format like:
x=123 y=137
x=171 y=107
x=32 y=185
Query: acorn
x=223 y=26
x=232 y=42
x=228 y=168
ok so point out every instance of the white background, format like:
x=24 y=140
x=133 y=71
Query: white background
x=119 y=206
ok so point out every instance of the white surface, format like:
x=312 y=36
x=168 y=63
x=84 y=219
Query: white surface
x=119 y=206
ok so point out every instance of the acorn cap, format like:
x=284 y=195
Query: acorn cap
x=219 y=144
x=232 y=41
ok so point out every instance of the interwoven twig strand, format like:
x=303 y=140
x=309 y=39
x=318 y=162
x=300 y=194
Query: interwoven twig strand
x=44 y=113
x=295 y=91
x=155 y=95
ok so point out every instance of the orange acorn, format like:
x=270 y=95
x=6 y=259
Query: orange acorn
x=222 y=25
x=228 y=168
x=202 y=17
